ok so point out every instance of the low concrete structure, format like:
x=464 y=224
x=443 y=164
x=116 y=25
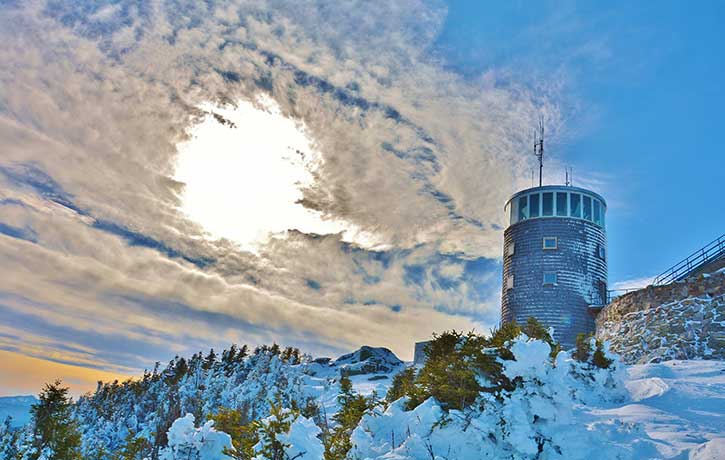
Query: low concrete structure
x=419 y=354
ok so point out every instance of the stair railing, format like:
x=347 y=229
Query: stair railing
x=697 y=259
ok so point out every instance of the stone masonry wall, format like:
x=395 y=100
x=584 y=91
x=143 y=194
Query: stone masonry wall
x=682 y=320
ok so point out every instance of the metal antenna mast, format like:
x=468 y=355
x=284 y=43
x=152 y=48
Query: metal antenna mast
x=539 y=148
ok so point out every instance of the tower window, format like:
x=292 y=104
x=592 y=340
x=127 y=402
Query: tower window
x=561 y=204
x=523 y=208
x=597 y=210
x=601 y=214
x=534 y=205
x=601 y=253
x=510 y=249
x=550 y=279
x=547 y=205
x=576 y=205
x=510 y=282
x=550 y=242
x=587 y=207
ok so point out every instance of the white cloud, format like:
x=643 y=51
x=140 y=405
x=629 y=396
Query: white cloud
x=633 y=284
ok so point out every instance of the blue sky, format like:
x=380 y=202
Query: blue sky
x=325 y=176
x=644 y=85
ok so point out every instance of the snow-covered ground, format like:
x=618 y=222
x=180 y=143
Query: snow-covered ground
x=672 y=410
x=680 y=404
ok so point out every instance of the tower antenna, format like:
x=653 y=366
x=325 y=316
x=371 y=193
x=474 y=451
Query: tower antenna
x=539 y=148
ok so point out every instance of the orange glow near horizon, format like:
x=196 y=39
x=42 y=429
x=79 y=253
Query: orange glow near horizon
x=25 y=375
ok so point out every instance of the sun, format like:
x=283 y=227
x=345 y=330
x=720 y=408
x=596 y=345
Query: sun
x=244 y=168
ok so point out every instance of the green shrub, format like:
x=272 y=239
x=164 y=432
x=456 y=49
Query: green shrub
x=583 y=352
x=449 y=373
x=402 y=385
x=583 y=348
x=459 y=367
x=268 y=430
x=599 y=358
x=236 y=424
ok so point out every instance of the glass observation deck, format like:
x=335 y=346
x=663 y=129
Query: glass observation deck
x=556 y=201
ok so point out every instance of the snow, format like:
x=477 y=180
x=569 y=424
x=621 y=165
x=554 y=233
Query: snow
x=188 y=442
x=559 y=409
x=302 y=440
x=641 y=389
x=680 y=405
x=711 y=450
x=563 y=411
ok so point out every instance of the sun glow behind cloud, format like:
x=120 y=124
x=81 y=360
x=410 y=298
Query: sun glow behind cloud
x=244 y=167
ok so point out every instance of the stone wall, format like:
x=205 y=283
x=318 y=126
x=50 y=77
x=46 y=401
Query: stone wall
x=682 y=320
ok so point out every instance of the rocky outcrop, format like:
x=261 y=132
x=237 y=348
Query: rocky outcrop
x=368 y=360
x=682 y=320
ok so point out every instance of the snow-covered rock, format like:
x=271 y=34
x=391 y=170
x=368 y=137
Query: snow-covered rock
x=300 y=441
x=188 y=442
x=369 y=360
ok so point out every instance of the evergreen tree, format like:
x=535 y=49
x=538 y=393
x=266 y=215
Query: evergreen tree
x=448 y=374
x=235 y=423
x=274 y=349
x=352 y=408
x=459 y=367
x=590 y=350
x=583 y=348
x=268 y=430
x=9 y=440
x=55 y=432
x=402 y=385
x=535 y=330
x=134 y=448
x=599 y=358
x=210 y=360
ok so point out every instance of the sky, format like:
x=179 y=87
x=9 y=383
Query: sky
x=179 y=175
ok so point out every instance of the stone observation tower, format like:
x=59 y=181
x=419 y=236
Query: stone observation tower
x=555 y=259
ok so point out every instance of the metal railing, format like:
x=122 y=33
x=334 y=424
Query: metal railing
x=708 y=253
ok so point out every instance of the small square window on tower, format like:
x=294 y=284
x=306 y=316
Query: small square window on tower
x=510 y=249
x=549 y=279
x=601 y=252
x=510 y=282
x=550 y=242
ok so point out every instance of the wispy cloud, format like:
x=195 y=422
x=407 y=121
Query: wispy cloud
x=635 y=283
